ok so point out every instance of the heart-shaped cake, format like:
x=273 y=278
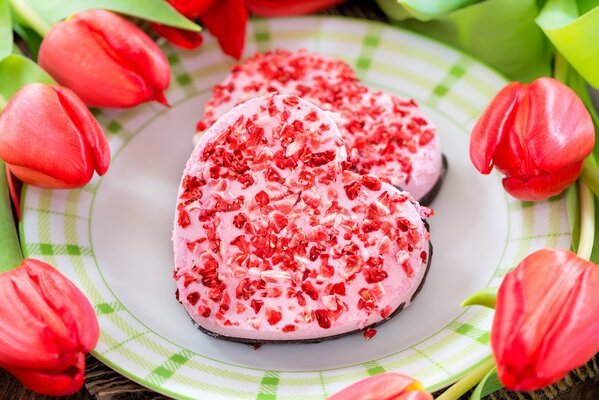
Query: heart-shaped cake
x=385 y=135
x=276 y=240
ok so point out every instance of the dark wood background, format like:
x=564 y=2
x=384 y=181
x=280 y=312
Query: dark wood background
x=102 y=383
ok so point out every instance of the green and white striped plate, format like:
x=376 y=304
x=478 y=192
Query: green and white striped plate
x=112 y=237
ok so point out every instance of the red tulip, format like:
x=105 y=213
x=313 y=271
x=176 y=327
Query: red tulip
x=47 y=325
x=387 y=386
x=546 y=319
x=49 y=138
x=225 y=19
x=537 y=135
x=180 y=37
x=185 y=39
x=106 y=60
x=280 y=8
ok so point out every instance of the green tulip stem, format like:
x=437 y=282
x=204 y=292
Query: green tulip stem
x=22 y=9
x=590 y=174
x=10 y=249
x=560 y=68
x=587 y=221
x=468 y=381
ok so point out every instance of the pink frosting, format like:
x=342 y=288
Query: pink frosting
x=385 y=135
x=275 y=239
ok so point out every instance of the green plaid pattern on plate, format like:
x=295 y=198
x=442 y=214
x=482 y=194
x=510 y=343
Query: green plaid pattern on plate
x=56 y=225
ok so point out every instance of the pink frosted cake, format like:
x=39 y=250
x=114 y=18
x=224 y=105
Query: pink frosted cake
x=276 y=240
x=385 y=135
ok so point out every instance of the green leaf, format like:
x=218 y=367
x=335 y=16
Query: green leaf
x=41 y=15
x=573 y=28
x=489 y=384
x=31 y=38
x=502 y=33
x=424 y=10
x=5 y=29
x=573 y=209
x=10 y=249
x=486 y=297
x=15 y=72
x=595 y=253
x=578 y=84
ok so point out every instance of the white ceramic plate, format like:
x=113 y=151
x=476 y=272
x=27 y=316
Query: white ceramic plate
x=112 y=237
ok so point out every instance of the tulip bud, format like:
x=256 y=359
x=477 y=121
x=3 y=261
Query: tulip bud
x=227 y=20
x=389 y=385
x=49 y=138
x=546 y=320
x=278 y=8
x=47 y=326
x=537 y=135
x=106 y=60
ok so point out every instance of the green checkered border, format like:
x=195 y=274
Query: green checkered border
x=56 y=224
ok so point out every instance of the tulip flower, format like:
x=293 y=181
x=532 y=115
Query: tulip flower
x=387 y=386
x=281 y=8
x=537 y=135
x=106 y=60
x=49 y=138
x=46 y=327
x=225 y=19
x=547 y=319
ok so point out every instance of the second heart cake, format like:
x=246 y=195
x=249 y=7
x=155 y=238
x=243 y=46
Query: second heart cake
x=385 y=135
x=276 y=241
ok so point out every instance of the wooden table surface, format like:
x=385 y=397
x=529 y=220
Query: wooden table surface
x=102 y=383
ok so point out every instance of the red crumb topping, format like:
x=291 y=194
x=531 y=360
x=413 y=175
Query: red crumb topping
x=382 y=132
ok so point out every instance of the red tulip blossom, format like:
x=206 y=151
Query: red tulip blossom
x=546 y=319
x=537 y=135
x=387 y=386
x=49 y=138
x=225 y=19
x=106 y=60
x=46 y=327
x=280 y=8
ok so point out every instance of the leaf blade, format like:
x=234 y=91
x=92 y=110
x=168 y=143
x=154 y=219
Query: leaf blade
x=489 y=384
x=573 y=211
x=52 y=11
x=502 y=33
x=15 y=72
x=6 y=37
x=425 y=10
x=574 y=33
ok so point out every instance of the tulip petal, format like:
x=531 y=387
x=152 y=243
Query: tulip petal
x=185 y=39
x=281 y=8
x=546 y=319
x=88 y=127
x=559 y=128
x=132 y=46
x=493 y=126
x=416 y=395
x=537 y=188
x=53 y=383
x=112 y=63
x=227 y=20
x=43 y=146
x=192 y=8
x=385 y=386
x=47 y=322
x=24 y=340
